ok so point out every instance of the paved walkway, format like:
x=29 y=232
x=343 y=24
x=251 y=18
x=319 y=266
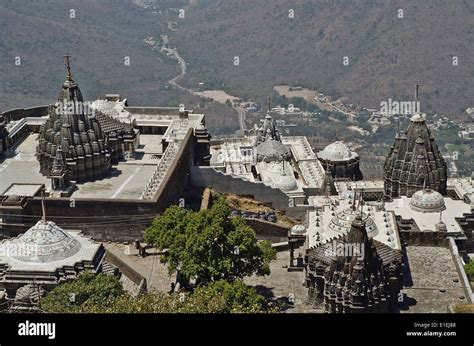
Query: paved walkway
x=435 y=281
x=283 y=285
x=150 y=267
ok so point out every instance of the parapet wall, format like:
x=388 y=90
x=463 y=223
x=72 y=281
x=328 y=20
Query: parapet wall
x=424 y=238
x=107 y=219
x=20 y=113
x=460 y=269
x=204 y=176
x=177 y=178
x=268 y=230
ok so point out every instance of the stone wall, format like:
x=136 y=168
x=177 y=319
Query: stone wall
x=125 y=269
x=107 y=219
x=460 y=269
x=20 y=113
x=98 y=218
x=210 y=177
x=177 y=178
x=268 y=230
x=424 y=238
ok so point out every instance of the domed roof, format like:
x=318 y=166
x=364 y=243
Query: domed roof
x=298 y=230
x=342 y=222
x=44 y=242
x=337 y=151
x=275 y=175
x=427 y=201
x=272 y=150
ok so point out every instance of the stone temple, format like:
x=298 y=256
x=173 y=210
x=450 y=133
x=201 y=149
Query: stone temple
x=361 y=279
x=45 y=255
x=129 y=163
x=75 y=143
x=414 y=162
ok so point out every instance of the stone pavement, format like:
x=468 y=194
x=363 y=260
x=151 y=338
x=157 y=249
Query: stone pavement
x=280 y=284
x=150 y=267
x=283 y=285
x=435 y=281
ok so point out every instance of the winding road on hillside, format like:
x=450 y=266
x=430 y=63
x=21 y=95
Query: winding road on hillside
x=174 y=81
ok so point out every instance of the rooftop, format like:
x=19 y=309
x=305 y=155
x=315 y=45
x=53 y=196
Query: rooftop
x=436 y=283
x=427 y=221
x=127 y=180
x=331 y=221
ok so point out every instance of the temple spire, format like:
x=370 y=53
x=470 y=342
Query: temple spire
x=67 y=63
x=417 y=109
x=43 y=208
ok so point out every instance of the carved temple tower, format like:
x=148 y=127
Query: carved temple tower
x=366 y=278
x=72 y=145
x=414 y=161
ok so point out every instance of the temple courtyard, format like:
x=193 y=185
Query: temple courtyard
x=126 y=181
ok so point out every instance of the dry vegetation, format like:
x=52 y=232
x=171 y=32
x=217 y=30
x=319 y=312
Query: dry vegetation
x=247 y=203
x=387 y=55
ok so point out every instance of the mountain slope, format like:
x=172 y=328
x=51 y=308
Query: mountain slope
x=387 y=55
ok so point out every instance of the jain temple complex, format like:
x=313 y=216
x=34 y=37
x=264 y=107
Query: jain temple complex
x=70 y=161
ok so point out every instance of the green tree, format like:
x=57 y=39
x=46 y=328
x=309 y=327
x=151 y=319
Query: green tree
x=88 y=289
x=218 y=297
x=209 y=245
x=469 y=269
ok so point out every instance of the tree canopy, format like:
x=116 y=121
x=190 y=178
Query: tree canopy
x=217 y=297
x=209 y=245
x=87 y=290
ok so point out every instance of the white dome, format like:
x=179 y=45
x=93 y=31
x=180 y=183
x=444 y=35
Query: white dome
x=337 y=151
x=44 y=242
x=284 y=182
x=298 y=229
x=342 y=222
x=275 y=175
x=427 y=201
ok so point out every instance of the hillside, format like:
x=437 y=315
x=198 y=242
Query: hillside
x=99 y=38
x=387 y=55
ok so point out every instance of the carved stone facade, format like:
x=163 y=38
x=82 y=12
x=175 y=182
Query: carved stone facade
x=75 y=136
x=354 y=274
x=414 y=162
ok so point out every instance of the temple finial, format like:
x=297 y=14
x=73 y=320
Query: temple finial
x=354 y=196
x=269 y=104
x=417 y=109
x=43 y=208
x=68 y=66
